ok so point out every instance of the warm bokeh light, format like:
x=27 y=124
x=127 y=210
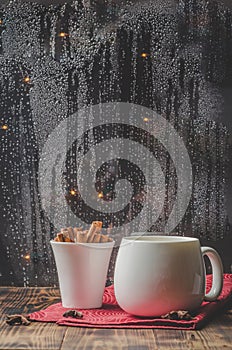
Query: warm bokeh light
x=144 y=54
x=63 y=35
x=146 y=119
x=100 y=195
x=27 y=257
x=1 y=21
x=26 y=79
x=72 y=192
x=4 y=127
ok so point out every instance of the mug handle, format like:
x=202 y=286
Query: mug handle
x=217 y=271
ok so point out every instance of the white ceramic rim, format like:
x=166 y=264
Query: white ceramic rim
x=140 y=238
x=88 y=245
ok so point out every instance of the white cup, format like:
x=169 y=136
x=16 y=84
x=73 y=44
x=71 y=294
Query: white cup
x=82 y=270
x=157 y=274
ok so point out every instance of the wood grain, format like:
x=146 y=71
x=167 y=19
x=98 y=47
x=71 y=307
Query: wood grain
x=37 y=335
x=106 y=339
x=49 y=336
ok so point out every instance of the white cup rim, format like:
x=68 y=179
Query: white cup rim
x=89 y=245
x=138 y=237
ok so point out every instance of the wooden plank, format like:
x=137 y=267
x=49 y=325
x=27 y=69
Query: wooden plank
x=173 y=339
x=27 y=300
x=47 y=336
x=218 y=333
x=107 y=339
x=179 y=339
x=36 y=336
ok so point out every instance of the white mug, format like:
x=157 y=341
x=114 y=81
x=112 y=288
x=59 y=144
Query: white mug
x=82 y=270
x=157 y=274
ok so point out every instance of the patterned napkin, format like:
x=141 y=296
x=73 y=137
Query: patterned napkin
x=110 y=315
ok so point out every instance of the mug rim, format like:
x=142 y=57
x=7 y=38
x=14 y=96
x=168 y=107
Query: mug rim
x=140 y=238
x=89 y=245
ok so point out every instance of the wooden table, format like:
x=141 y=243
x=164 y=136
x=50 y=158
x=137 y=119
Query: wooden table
x=217 y=335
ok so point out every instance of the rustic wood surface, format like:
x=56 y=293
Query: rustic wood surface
x=43 y=336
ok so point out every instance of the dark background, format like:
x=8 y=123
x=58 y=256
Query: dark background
x=25 y=230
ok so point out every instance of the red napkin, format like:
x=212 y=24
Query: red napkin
x=110 y=315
